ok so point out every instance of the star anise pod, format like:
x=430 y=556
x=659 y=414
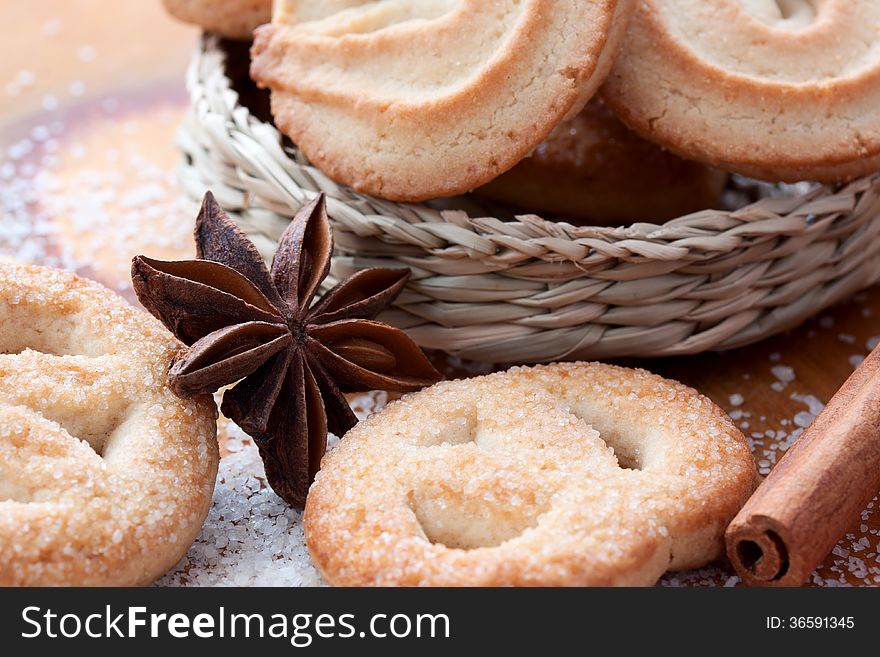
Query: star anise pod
x=292 y=358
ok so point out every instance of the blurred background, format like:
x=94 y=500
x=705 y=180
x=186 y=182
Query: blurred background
x=91 y=92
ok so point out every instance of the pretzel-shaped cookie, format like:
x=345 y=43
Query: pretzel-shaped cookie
x=570 y=474
x=105 y=476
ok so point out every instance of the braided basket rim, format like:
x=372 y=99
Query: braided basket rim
x=531 y=289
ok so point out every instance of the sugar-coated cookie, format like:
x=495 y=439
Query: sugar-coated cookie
x=105 y=476
x=569 y=474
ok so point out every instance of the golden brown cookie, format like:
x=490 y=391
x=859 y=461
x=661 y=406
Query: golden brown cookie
x=105 y=476
x=594 y=169
x=415 y=99
x=776 y=90
x=235 y=19
x=569 y=474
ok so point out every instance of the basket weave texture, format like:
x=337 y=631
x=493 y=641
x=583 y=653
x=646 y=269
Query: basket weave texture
x=531 y=290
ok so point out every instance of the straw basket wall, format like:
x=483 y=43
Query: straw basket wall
x=526 y=289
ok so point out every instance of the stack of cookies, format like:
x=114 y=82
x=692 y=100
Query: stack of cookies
x=609 y=111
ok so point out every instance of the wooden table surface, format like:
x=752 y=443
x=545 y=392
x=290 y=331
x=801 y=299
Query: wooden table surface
x=91 y=92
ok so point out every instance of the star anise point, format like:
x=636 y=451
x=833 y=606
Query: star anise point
x=289 y=357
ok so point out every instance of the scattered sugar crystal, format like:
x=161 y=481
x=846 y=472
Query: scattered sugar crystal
x=861 y=544
x=40 y=133
x=872 y=342
x=804 y=419
x=20 y=149
x=50 y=103
x=736 y=400
x=76 y=88
x=86 y=53
x=855 y=360
x=110 y=105
x=783 y=373
x=813 y=403
x=847 y=338
x=251 y=536
x=52 y=27
x=25 y=78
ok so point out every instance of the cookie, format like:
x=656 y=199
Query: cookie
x=105 y=476
x=592 y=169
x=779 y=91
x=569 y=474
x=289 y=12
x=235 y=19
x=416 y=99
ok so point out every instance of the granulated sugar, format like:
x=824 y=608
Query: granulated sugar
x=251 y=536
x=813 y=404
x=783 y=373
x=89 y=192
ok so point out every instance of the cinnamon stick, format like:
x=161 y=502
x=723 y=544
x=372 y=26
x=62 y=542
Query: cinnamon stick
x=816 y=491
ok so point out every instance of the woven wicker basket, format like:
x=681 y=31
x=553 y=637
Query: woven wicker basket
x=530 y=290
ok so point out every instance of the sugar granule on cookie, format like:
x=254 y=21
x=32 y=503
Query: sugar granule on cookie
x=291 y=359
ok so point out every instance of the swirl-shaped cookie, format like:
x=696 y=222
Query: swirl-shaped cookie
x=571 y=474
x=415 y=99
x=105 y=476
x=781 y=90
x=289 y=12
